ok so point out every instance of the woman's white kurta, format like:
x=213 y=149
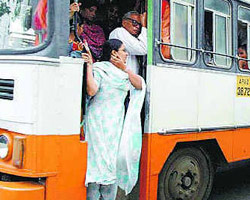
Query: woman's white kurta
x=104 y=123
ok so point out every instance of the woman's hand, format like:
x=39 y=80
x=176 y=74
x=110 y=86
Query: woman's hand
x=87 y=56
x=75 y=7
x=92 y=87
x=133 y=78
x=117 y=61
x=80 y=46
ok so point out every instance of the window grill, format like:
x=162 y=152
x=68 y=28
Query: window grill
x=7 y=89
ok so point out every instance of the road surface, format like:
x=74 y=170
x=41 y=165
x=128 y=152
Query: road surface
x=232 y=184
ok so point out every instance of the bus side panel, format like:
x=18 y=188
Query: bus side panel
x=69 y=183
x=241 y=146
x=42 y=87
x=174 y=98
x=216 y=99
x=224 y=140
x=60 y=161
x=157 y=148
x=145 y=167
x=155 y=151
x=191 y=99
x=21 y=190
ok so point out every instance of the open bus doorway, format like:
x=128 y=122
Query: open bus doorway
x=140 y=6
x=118 y=9
x=107 y=16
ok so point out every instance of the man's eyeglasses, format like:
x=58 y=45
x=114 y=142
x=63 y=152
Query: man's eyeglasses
x=134 y=22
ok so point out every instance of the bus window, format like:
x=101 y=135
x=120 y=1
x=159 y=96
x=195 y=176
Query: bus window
x=23 y=23
x=217 y=33
x=243 y=37
x=181 y=33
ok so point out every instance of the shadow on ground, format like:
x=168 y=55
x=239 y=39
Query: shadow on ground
x=232 y=183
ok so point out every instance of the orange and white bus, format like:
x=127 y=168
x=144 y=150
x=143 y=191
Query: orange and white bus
x=197 y=107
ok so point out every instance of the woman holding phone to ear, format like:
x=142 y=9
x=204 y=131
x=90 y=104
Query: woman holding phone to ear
x=108 y=83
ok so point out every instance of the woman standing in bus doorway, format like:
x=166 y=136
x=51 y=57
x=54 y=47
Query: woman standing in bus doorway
x=107 y=130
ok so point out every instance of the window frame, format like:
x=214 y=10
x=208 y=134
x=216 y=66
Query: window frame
x=199 y=63
x=229 y=37
x=248 y=39
x=192 y=51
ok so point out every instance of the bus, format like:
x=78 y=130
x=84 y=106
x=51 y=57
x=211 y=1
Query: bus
x=196 y=112
x=42 y=154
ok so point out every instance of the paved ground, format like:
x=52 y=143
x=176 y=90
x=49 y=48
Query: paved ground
x=232 y=184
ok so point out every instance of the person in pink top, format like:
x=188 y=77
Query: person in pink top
x=40 y=21
x=92 y=33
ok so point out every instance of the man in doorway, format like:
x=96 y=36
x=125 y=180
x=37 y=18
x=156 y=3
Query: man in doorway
x=133 y=34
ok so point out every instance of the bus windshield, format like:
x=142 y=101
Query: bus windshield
x=23 y=23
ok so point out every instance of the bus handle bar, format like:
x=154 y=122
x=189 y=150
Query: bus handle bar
x=201 y=50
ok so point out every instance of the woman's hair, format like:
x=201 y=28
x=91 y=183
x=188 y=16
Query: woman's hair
x=244 y=47
x=108 y=47
x=88 y=3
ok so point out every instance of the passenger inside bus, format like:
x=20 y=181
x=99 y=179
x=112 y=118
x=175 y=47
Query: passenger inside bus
x=133 y=34
x=40 y=22
x=112 y=18
x=112 y=10
x=242 y=52
x=242 y=45
x=92 y=32
x=75 y=46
